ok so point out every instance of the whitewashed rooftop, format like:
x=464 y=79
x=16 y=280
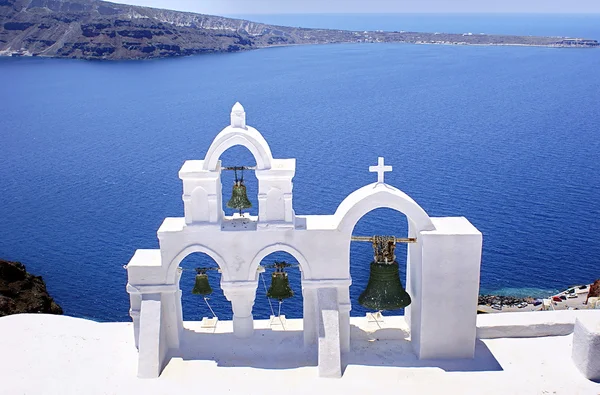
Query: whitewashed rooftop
x=43 y=354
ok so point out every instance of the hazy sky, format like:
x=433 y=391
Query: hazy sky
x=231 y=7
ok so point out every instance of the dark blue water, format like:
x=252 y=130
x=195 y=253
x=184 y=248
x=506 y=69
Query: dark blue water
x=507 y=137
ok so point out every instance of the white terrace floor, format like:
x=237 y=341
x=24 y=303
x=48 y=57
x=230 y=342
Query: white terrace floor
x=43 y=354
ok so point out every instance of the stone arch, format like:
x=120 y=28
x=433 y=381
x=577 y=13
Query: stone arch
x=380 y=195
x=248 y=137
x=360 y=255
x=190 y=249
x=268 y=250
x=371 y=197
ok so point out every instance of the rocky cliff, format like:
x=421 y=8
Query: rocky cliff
x=91 y=29
x=594 y=291
x=21 y=292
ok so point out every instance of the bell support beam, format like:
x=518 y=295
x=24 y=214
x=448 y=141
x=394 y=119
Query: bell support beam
x=370 y=239
x=234 y=168
x=241 y=294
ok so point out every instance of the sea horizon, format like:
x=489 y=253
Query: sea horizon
x=533 y=24
x=505 y=136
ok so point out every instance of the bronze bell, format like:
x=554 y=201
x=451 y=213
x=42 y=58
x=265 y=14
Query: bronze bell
x=239 y=197
x=280 y=286
x=202 y=287
x=384 y=290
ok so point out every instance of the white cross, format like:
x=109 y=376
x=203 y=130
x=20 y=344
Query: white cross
x=380 y=169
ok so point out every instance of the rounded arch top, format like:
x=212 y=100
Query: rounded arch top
x=188 y=250
x=280 y=247
x=238 y=133
x=379 y=195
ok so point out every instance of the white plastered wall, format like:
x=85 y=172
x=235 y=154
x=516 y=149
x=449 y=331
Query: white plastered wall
x=442 y=267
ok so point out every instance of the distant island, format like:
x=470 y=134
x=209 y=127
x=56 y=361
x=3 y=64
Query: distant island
x=91 y=29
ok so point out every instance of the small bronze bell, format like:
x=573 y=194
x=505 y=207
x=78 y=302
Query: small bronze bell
x=239 y=197
x=280 y=286
x=384 y=290
x=202 y=287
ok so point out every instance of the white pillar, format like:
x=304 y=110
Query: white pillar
x=414 y=287
x=179 y=306
x=412 y=255
x=150 y=358
x=171 y=321
x=135 y=300
x=135 y=317
x=449 y=287
x=241 y=294
x=330 y=362
x=309 y=319
x=344 y=307
x=586 y=345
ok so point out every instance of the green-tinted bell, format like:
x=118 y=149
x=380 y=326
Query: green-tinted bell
x=239 y=197
x=384 y=290
x=202 y=287
x=280 y=286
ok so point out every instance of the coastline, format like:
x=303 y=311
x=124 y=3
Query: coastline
x=572 y=298
x=133 y=33
x=7 y=53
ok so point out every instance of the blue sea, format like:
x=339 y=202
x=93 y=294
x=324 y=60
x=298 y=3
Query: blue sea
x=505 y=136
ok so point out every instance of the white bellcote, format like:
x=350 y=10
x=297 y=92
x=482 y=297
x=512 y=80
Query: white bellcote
x=203 y=190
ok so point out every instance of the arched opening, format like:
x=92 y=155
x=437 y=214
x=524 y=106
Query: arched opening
x=372 y=334
x=194 y=307
x=230 y=137
x=283 y=340
x=270 y=348
x=265 y=307
x=238 y=156
x=382 y=222
x=382 y=196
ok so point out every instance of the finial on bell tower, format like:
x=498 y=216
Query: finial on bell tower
x=238 y=116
